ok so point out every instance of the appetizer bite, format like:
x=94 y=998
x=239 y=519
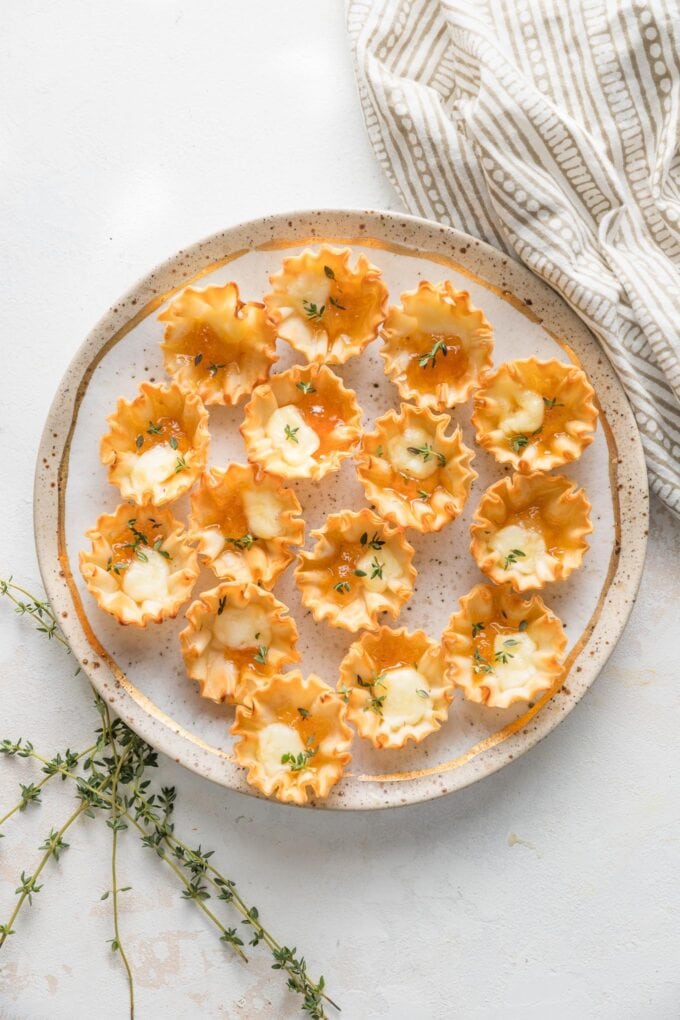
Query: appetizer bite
x=360 y=567
x=396 y=686
x=416 y=475
x=535 y=415
x=501 y=648
x=294 y=739
x=158 y=444
x=436 y=345
x=217 y=344
x=530 y=529
x=323 y=307
x=302 y=424
x=141 y=567
x=237 y=637
x=245 y=523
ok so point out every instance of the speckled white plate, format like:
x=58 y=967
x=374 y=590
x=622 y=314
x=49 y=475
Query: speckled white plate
x=141 y=672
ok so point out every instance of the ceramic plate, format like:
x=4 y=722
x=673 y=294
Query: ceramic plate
x=141 y=673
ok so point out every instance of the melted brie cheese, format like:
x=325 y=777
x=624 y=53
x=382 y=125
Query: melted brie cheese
x=390 y=569
x=514 y=536
x=311 y=289
x=147 y=579
x=528 y=416
x=243 y=628
x=304 y=442
x=262 y=512
x=413 y=464
x=213 y=542
x=519 y=667
x=153 y=466
x=274 y=741
x=402 y=702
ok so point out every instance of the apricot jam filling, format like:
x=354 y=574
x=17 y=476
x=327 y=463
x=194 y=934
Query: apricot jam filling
x=209 y=352
x=134 y=541
x=436 y=358
x=323 y=412
x=531 y=519
x=162 y=430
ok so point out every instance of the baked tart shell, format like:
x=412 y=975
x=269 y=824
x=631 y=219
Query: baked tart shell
x=426 y=503
x=237 y=637
x=549 y=513
x=298 y=719
x=360 y=567
x=157 y=445
x=139 y=582
x=325 y=308
x=479 y=668
x=436 y=345
x=535 y=415
x=396 y=686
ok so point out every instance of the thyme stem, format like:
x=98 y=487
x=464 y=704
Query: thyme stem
x=43 y=861
x=149 y=814
x=39 y=786
x=34 y=609
x=120 y=759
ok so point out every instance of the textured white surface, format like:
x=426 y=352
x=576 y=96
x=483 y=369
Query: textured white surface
x=549 y=889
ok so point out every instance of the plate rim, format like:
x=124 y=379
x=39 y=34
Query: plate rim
x=170 y=741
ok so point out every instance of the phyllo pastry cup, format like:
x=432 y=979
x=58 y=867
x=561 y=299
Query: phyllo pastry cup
x=217 y=344
x=436 y=345
x=238 y=635
x=501 y=648
x=416 y=475
x=245 y=523
x=530 y=529
x=323 y=307
x=158 y=444
x=294 y=738
x=396 y=686
x=142 y=565
x=535 y=415
x=360 y=567
x=302 y=424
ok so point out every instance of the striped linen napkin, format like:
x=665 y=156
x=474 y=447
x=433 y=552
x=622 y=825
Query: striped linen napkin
x=549 y=128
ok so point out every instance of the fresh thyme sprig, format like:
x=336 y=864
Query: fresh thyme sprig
x=376 y=568
x=312 y=311
x=244 y=542
x=512 y=557
x=375 y=701
x=518 y=442
x=300 y=762
x=109 y=777
x=39 y=611
x=426 y=451
x=480 y=665
x=373 y=543
x=504 y=655
x=439 y=347
x=291 y=434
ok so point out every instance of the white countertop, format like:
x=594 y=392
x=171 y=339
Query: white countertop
x=548 y=890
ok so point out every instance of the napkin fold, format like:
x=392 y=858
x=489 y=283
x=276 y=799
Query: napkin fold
x=549 y=128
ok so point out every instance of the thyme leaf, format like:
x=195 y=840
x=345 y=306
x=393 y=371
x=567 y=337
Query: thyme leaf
x=439 y=347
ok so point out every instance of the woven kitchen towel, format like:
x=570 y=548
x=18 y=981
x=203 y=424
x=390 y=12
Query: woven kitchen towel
x=549 y=128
